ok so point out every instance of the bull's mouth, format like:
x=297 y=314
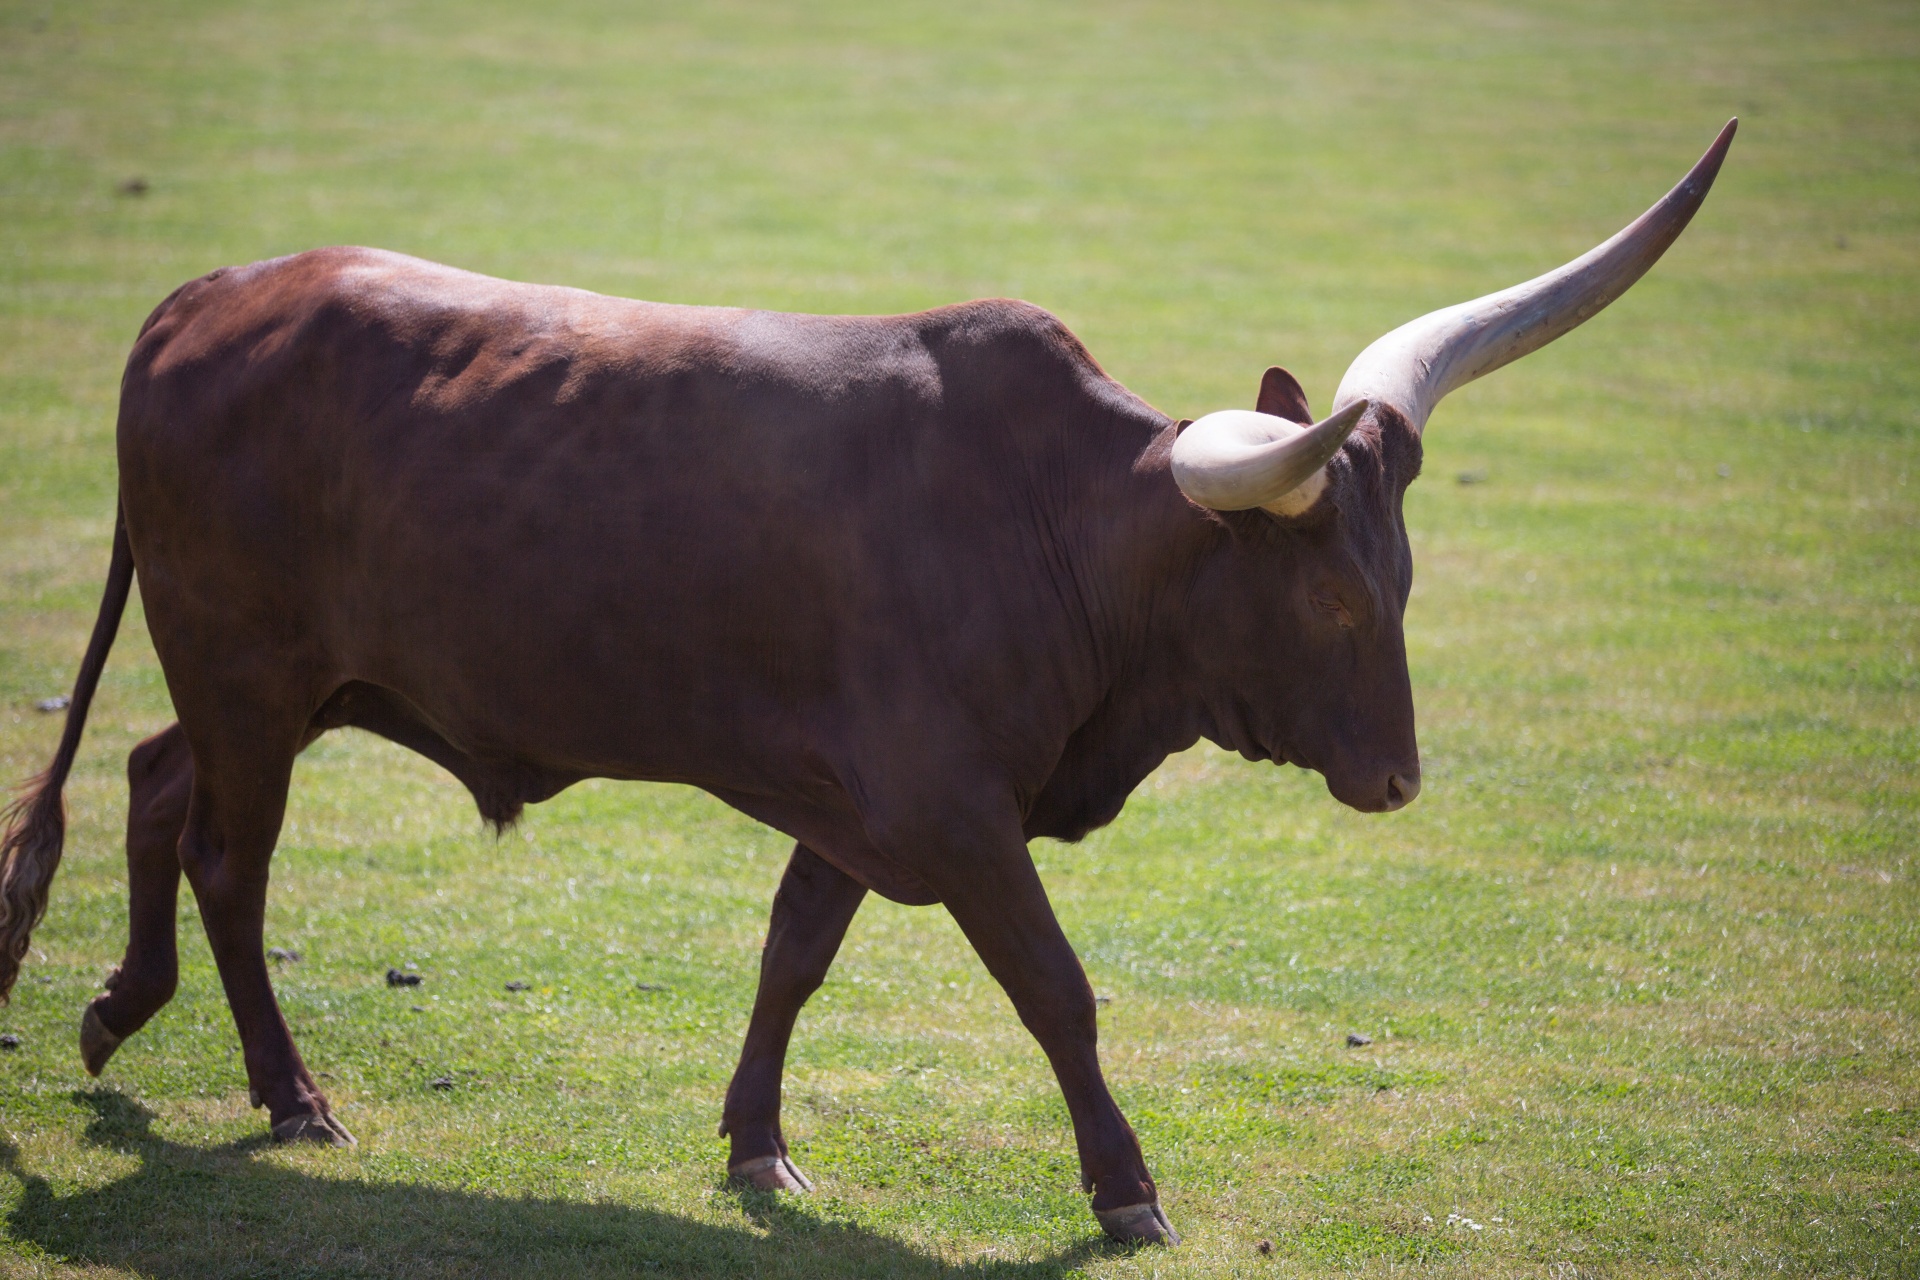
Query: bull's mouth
x=1396 y=792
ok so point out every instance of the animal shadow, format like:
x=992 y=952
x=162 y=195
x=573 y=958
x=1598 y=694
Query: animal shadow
x=201 y=1214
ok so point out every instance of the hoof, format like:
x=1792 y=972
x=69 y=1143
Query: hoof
x=1143 y=1222
x=769 y=1173
x=96 y=1042
x=324 y=1130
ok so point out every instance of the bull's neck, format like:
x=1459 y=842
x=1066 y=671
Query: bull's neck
x=1136 y=541
x=1147 y=542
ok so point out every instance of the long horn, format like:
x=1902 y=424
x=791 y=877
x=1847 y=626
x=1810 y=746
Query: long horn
x=1417 y=364
x=1237 y=459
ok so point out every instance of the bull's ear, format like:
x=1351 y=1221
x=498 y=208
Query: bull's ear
x=1281 y=396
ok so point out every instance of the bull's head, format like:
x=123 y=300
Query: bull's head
x=1308 y=664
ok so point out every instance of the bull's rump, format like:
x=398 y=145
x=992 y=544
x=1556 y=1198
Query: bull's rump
x=606 y=536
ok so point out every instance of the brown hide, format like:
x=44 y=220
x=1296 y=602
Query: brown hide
x=542 y=534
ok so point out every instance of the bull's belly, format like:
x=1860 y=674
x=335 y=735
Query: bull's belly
x=777 y=773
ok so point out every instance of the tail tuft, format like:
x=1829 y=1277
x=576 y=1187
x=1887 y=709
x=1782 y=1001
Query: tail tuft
x=36 y=829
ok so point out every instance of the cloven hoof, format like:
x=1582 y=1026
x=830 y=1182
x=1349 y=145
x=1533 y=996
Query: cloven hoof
x=96 y=1042
x=314 y=1128
x=769 y=1173
x=1144 y=1222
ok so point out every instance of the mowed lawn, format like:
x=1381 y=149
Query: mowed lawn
x=1638 y=967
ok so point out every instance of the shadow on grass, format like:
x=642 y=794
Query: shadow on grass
x=202 y=1213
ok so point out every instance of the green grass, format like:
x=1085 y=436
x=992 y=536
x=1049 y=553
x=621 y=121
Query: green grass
x=1640 y=963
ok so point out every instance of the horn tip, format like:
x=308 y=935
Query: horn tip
x=1718 y=150
x=1699 y=179
x=1344 y=419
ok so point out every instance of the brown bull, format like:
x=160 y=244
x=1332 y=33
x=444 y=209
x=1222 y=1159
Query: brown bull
x=913 y=590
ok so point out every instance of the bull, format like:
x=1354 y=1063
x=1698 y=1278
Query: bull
x=913 y=590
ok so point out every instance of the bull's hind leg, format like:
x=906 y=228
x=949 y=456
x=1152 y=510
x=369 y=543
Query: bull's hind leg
x=242 y=764
x=811 y=913
x=159 y=779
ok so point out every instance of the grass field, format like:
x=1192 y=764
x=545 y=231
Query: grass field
x=1640 y=964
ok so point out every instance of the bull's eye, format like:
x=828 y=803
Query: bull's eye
x=1331 y=606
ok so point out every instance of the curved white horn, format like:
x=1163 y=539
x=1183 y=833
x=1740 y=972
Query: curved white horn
x=1417 y=364
x=1237 y=459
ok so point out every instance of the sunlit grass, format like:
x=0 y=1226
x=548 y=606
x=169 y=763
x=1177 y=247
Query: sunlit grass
x=1638 y=967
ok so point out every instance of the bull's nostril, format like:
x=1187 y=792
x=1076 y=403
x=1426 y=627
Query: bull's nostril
x=1401 y=790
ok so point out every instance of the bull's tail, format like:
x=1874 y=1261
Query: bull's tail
x=36 y=822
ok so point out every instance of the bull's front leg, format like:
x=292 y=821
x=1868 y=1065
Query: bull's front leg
x=811 y=912
x=980 y=866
